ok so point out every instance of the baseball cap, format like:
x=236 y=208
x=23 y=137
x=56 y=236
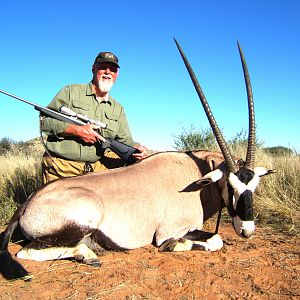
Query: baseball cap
x=107 y=57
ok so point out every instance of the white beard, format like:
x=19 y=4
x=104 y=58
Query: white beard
x=105 y=87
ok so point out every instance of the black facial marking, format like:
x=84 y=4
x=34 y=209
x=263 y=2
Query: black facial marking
x=245 y=175
x=244 y=208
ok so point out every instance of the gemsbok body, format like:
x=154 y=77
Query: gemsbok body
x=159 y=200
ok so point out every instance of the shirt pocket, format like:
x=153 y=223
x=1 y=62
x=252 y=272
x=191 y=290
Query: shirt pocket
x=80 y=106
x=112 y=124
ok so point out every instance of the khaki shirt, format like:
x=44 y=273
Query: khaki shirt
x=81 y=99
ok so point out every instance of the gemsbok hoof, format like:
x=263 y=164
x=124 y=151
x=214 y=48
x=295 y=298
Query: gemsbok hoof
x=92 y=262
x=168 y=245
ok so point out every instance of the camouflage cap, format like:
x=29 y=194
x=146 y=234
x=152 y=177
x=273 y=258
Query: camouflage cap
x=107 y=57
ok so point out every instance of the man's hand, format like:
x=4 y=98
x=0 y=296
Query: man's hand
x=87 y=133
x=143 y=152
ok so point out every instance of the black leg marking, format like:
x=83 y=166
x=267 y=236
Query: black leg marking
x=198 y=235
x=69 y=235
x=105 y=242
x=198 y=247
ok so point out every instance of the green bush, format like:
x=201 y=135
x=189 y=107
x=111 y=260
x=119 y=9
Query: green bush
x=279 y=150
x=6 y=145
x=193 y=139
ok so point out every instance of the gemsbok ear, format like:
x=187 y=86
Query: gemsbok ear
x=262 y=171
x=203 y=182
x=210 y=177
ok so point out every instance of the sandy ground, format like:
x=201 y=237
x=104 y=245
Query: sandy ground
x=264 y=267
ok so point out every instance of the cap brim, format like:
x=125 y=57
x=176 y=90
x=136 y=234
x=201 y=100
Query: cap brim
x=103 y=60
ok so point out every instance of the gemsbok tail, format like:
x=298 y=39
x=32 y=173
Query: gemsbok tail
x=9 y=267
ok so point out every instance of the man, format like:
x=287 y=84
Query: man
x=75 y=150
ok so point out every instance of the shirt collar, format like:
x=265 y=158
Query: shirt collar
x=106 y=98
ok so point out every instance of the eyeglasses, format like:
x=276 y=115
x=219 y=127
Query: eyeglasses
x=104 y=66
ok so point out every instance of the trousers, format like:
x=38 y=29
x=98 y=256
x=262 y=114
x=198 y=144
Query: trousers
x=57 y=167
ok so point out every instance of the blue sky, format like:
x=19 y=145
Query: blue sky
x=48 y=44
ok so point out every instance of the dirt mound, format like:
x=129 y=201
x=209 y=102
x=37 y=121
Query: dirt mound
x=265 y=267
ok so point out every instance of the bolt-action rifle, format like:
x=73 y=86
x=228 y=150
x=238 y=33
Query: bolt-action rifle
x=67 y=115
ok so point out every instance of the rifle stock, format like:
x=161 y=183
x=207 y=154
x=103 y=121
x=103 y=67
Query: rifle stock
x=121 y=149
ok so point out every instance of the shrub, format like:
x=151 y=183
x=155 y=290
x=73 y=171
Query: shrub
x=6 y=145
x=279 y=150
x=195 y=139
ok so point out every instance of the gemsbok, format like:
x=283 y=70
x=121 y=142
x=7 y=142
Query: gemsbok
x=162 y=200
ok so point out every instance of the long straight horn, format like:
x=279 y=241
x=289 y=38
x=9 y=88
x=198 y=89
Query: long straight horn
x=250 y=156
x=232 y=166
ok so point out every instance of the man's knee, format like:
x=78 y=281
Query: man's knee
x=111 y=160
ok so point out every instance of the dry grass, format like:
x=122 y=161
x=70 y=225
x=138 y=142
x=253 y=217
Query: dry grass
x=278 y=196
x=19 y=177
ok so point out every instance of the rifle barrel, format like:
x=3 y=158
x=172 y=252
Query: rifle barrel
x=19 y=98
x=47 y=111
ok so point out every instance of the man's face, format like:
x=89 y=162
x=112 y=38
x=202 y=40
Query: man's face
x=105 y=74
